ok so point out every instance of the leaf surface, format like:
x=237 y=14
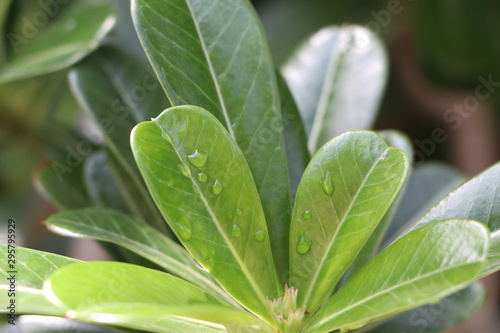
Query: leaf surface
x=476 y=199
x=337 y=78
x=66 y=41
x=111 y=226
x=119 y=91
x=137 y=297
x=201 y=182
x=295 y=136
x=346 y=190
x=424 y=266
x=45 y=324
x=213 y=54
x=32 y=268
x=434 y=318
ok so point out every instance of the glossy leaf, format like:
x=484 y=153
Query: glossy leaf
x=435 y=318
x=31 y=269
x=213 y=54
x=62 y=185
x=75 y=34
x=424 y=266
x=111 y=226
x=295 y=136
x=398 y=140
x=101 y=185
x=337 y=78
x=427 y=184
x=476 y=199
x=201 y=182
x=346 y=190
x=135 y=297
x=118 y=92
x=45 y=324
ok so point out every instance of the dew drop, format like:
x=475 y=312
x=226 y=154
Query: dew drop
x=198 y=159
x=236 y=231
x=260 y=236
x=202 y=177
x=239 y=212
x=200 y=266
x=183 y=230
x=304 y=243
x=217 y=187
x=307 y=215
x=327 y=183
x=183 y=169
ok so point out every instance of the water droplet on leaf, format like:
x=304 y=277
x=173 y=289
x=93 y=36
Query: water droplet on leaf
x=260 y=236
x=217 y=187
x=183 y=230
x=198 y=159
x=200 y=266
x=239 y=212
x=236 y=231
x=170 y=182
x=307 y=215
x=304 y=243
x=184 y=170
x=202 y=177
x=327 y=184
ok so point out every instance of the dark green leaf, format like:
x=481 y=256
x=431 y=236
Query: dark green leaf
x=63 y=185
x=295 y=136
x=213 y=54
x=424 y=266
x=337 y=78
x=118 y=92
x=32 y=268
x=101 y=185
x=4 y=10
x=346 y=190
x=477 y=199
x=201 y=182
x=435 y=318
x=66 y=41
x=111 y=226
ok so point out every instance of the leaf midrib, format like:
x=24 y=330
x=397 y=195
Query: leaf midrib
x=212 y=71
x=320 y=266
x=420 y=277
x=335 y=62
x=243 y=267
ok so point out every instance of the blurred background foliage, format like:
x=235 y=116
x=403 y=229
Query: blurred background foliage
x=439 y=50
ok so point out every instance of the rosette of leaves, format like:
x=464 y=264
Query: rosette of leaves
x=218 y=205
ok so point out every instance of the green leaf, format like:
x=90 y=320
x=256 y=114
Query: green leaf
x=66 y=41
x=32 y=268
x=435 y=318
x=422 y=267
x=477 y=199
x=4 y=10
x=218 y=59
x=111 y=226
x=295 y=136
x=346 y=190
x=201 y=182
x=394 y=139
x=118 y=91
x=136 y=297
x=426 y=186
x=62 y=185
x=101 y=185
x=337 y=78
x=44 y=324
